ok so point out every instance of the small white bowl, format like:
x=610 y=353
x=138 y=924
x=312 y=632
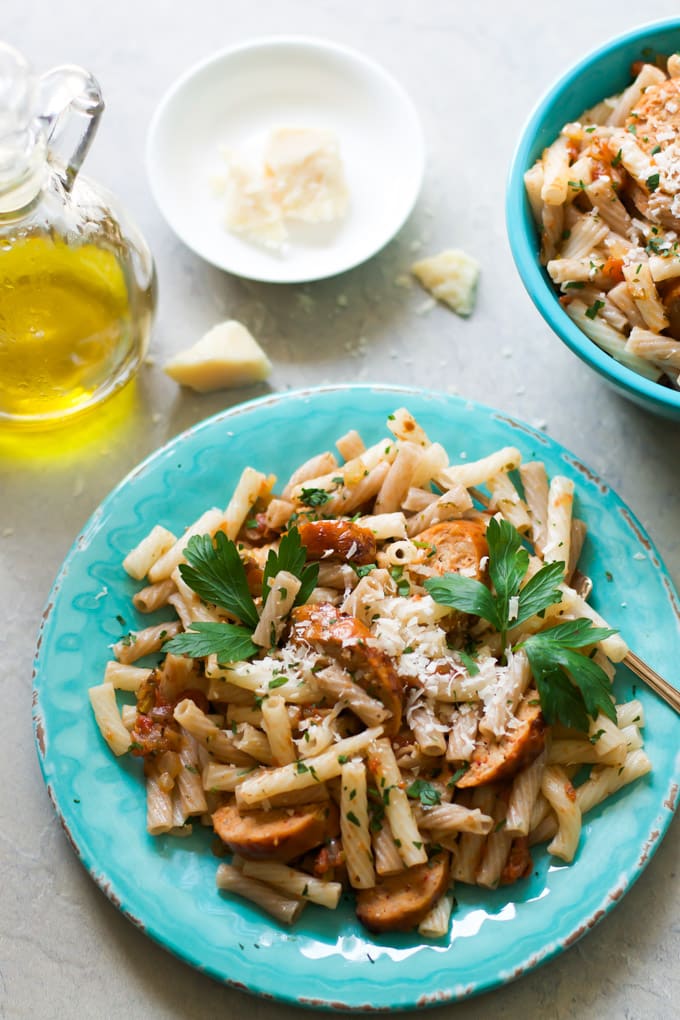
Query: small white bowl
x=287 y=81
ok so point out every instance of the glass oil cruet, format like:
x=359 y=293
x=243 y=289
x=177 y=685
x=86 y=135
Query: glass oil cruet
x=77 y=282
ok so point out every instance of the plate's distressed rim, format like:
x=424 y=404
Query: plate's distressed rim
x=430 y=997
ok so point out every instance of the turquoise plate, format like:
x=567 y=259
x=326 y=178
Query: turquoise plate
x=167 y=886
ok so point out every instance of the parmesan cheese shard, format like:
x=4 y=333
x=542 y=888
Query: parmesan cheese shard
x=306 y=172
x=298 y=175
x=226 y=357
x=450 y=277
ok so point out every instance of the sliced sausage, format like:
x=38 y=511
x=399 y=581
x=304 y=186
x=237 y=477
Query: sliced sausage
x=457 y=547
x=400 y=902
x=499 y=759
x=347 y=640
x=277 y=835
x=338 y=540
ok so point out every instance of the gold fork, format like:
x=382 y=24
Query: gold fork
x=583 y=585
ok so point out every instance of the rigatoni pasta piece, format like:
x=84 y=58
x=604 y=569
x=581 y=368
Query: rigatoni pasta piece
x=561 y=795
x=454 y=818
x=477 y=472
x=276 y=724
x=662 y=351
x=525 y=789
x=337 y=682
x=145 y=642
x=301 y=775
x=289 y=881
x=139 y=560
x=207 y=524
x=556 y=172
x=560 y=507
x=398 y=479
x=586 y=234
x=645 y=295
x=496 y=849
x=385 y=854
x=103 y=700
x=285 y=909
x=607 y=203
x=533 y=182
x=610 y=340
x=125 y=678
x=436 y=923
x=321 y=464
x=218 y=776
x=404 y=426
x=428 y=731
x=385 y=525
x=451 y=504
x=159 y=802
x=354 y=826
x=387 y=778
x=350 y=445
x=506 y=499
x=283 y=591
x=535 y=483
x=188 y=780
x=151 y=598
x=209 y=735
x=648 y=75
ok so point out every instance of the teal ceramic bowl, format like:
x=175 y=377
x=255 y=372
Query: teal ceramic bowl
x=602 y=73
x=166 y=886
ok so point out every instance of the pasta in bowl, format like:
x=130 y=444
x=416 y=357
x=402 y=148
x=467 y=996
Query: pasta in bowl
x=626 y=194
x=379 y=679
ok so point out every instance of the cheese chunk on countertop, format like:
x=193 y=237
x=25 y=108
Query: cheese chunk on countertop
x=226 y=357
x=451 y=277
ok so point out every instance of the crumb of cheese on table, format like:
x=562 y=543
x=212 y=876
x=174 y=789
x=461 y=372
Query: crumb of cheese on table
x=226 y=357
x=299 y=176
x=451 y=277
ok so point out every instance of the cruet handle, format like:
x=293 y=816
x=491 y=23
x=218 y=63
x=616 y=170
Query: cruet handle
x=70 y=104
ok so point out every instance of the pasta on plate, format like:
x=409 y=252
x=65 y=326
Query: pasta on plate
x=382 y=678
x=606 y=198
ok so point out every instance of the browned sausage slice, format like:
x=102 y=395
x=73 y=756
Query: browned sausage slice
x=499 y=759
x=401 y=901
x=456 y=547
x=338 y=540
x=277 y=835
x=348 y=640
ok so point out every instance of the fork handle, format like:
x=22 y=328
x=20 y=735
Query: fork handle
x=653 y=680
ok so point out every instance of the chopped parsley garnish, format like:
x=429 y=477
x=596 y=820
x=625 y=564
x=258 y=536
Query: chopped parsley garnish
x=458 y=774
x=469 y=663
x=592 y=311
x=657 y=148
x=617 y=158
x=351 y=817
x=403 y=587
x=574 y=285
x=425 y=792
x=652 y=182
x=278 y=681
x=314 y=497
x=361 y=570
